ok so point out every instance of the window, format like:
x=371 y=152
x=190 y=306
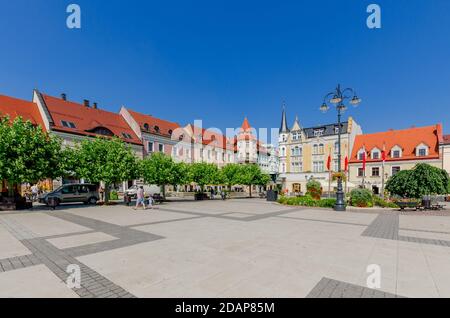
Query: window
x=150 y=146
x=296 y=167
x=336 y=130
x=375 y=172
x=156 y=129
x=396 y=154
x=318 y=132
x=321 y=149
x=102 y=131
x=170 y=132
x=283 y=152
x=160 y=147
x=360 y=172
x=318 y=166
x=68 y=189
x=395 y=170
x=146 y=127
x=361 y=155
x=376 y=155
x=127 y=136
x=422 y=152
x=315 y=149
x=336 y=147
x=335 y=165
x=68 y=124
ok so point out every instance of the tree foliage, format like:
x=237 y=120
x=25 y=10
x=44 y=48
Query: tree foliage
x=230 y=174
x=203 y=173
x=250 y=175
x=27 y=153
x=422 y=180
x=161 y=170
x=108 y=160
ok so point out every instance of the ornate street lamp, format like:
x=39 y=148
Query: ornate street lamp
x=338 y=98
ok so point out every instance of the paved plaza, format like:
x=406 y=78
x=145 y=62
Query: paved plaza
x=234 y=248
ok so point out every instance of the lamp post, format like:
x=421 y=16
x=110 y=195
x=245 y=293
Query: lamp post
x=338 y=98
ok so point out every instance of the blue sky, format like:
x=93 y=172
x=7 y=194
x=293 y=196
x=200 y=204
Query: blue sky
x=222 y=60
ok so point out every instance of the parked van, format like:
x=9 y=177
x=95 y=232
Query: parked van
x=71 y=193
x=148 y=190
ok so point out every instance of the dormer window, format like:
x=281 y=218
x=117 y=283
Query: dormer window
x=422 y=150
x=361 y=154
x=375 y=154
x=156 y=129
x=170 y=132
x=146 y=127
x=68 y=124
x=336 y=130
x=396 y=152
x=318 y=132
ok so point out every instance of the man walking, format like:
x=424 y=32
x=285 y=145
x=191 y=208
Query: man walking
x=140 y=198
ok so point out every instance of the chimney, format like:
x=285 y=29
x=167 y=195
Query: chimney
x=64 y=96
x=86 y=102
x=94 y=105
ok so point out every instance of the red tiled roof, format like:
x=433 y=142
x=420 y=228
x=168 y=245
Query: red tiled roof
x=86 y=119
x=164 y=128
x=212 y=138
x=14 y=107
x=446 y=139
x=407 y=139
x=246 y=125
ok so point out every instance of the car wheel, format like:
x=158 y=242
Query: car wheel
x=92 y=200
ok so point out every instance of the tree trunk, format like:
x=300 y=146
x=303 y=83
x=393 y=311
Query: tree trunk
x=250 y=190
x=163 y=191
x=107 y=191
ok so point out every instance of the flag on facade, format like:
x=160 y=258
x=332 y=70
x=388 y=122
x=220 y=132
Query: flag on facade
x=383 y=153
x=364 y=159
x=346 y=164
x=329 y=162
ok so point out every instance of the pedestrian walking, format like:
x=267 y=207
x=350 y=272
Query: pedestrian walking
x=34 y=193
x=140 y=198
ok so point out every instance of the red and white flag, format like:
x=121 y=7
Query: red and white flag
x=329 y=162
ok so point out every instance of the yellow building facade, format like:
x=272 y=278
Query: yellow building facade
x=305 y=153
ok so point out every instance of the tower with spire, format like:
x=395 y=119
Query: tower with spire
x=283 y=138
x=247 y=144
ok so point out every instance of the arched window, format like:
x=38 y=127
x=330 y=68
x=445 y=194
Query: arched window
x=315 y=149
x=102 y=131
x=146 y=127
x=156 y=129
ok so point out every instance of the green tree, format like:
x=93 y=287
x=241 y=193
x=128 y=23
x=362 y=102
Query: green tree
x=161 y=170
x=27 y=153
x=230 y=174
x=108 y=160
x=250 y=175
x=422 y=180
x=203 y=173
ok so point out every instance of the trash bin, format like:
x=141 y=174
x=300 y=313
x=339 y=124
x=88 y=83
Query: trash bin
x=272 y=196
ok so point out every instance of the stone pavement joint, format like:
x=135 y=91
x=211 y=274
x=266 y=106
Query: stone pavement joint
x=330 y=288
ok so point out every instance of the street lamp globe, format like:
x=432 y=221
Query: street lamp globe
x=336 y=99
x=355 y=101
x=324 y=108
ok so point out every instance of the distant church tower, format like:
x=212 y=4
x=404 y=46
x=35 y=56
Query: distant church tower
x=247 y=144
x=283 y=140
